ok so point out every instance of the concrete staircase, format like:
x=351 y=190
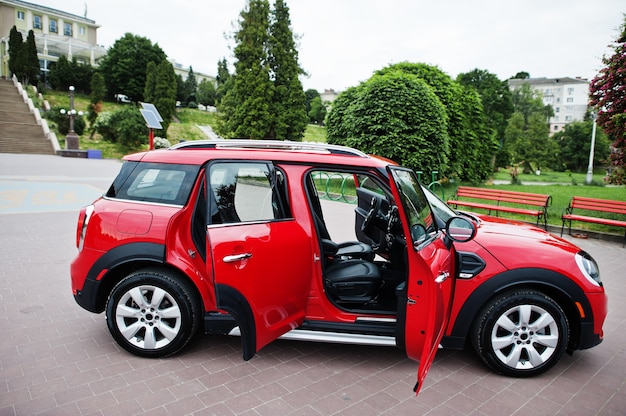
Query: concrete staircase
x=19 y=131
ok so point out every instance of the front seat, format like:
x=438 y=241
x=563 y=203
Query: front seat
x=352 y=280
x=346 y=249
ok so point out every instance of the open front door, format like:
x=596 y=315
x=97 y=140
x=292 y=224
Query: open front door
x=261 y=259
x=430 y=283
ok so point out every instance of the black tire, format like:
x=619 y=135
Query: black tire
x=150 y=326
x=521 y=333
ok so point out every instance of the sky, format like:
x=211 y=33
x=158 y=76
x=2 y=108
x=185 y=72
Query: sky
x=343 y=42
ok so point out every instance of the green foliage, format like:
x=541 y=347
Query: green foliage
x=125 y=65
x=223 y=80
x=264 y=98
x=149 y=88
x=125 y=127
x=62 y=121
x=288 y=108
x=246 y=107
x=575 y=143
x=527 y=136
x=23 y=60
x=15 y=44
x=206 y=92
x=317 y=114
x=309 y=96
x=495 y=97
x=64 y=74
x=165 y=94
x=190 y=87
x=396 y=115
x=608 y=95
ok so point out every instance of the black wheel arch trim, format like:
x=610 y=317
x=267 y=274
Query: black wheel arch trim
x=91 y=296
x=232 y=301
x=553 y=283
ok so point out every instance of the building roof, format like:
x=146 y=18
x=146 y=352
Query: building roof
x=51 y=11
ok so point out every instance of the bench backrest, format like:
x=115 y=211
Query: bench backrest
x=595 y=204
x=541 y=200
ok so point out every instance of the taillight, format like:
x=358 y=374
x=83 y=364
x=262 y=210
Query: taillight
x=81 y=228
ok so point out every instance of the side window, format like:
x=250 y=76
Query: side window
x=154 y=182
x=244 y=192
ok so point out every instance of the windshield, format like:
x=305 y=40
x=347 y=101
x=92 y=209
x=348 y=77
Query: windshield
x=441 y=210
x=420 y=219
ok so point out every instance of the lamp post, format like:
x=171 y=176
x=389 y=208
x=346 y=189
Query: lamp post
x=589 y=177
x=71 y=139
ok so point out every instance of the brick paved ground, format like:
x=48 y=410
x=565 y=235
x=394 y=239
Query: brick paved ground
x=57 y=359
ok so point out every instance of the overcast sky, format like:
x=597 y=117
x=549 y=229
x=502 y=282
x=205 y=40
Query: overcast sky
x=342 y=42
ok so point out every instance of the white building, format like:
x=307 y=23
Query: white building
x=567 y=96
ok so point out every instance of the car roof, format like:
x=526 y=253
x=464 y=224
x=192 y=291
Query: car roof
x=201 y=151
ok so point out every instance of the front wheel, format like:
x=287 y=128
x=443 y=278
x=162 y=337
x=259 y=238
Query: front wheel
x=152 y=313
x=521 y=333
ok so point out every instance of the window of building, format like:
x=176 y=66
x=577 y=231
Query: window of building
x=570 y=91
x=81 y=30
x=556 y=128
x=558 y=109
x=67 y=29
x=36 y=22
x=21 y=15
x=570 y=99
x=53 y=26
x=558 y=100
x=568 y=118
x=569 y=108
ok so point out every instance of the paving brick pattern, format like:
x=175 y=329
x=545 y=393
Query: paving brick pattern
x=57 y=359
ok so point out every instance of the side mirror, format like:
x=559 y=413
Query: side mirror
x=460 y=229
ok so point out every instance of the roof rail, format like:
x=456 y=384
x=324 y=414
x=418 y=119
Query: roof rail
x=270 y=145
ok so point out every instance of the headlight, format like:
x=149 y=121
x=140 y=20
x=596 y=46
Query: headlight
x=588 y=267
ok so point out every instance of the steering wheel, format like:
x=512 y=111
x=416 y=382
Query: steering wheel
x=368 y=220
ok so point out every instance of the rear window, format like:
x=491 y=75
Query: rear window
x=154 y=182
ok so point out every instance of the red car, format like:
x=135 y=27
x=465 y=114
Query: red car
x=234 y=237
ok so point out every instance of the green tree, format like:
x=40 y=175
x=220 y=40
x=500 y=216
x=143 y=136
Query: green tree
x=191 y=87
x=396 y=115
x=318 y=111
x=15 y=45
x=527 y=136
x=31 y=69
x=575 y=143
x=289 y=116
x=96 y=96
x=472 y=143
x=309 y=96
x=64 y=74
x=246 y=107
x=124 y=66
x=495 y=97
x=149 y=89
x=608 y=96
x=223 y=80
x=206 y=92
x=165 y=94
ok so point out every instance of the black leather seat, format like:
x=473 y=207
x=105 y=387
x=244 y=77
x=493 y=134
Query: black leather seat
x=346 y=249
x=352 y=280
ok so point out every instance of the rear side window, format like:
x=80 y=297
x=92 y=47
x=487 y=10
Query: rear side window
x=154 y=182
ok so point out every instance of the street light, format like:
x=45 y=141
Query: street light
x=589 y=177
x=71 y=139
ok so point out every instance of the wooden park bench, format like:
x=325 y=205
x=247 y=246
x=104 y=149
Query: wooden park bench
x=594 y=210
x=498 y=200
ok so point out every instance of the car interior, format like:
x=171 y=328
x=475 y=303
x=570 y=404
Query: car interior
x=362 y=275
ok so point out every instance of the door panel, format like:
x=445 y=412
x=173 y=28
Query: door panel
x=270 y=266
x=430 y=282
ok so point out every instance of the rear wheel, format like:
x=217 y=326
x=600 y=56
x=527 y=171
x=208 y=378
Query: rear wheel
x=521 y=333
x=152 y=313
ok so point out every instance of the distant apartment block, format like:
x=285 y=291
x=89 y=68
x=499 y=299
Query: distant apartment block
x=567 y=96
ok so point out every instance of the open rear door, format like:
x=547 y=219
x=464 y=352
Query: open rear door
x=430 y=282
x=260 y=258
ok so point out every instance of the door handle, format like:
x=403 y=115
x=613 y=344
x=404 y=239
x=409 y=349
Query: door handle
x=442 y=277
x=236 y=257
